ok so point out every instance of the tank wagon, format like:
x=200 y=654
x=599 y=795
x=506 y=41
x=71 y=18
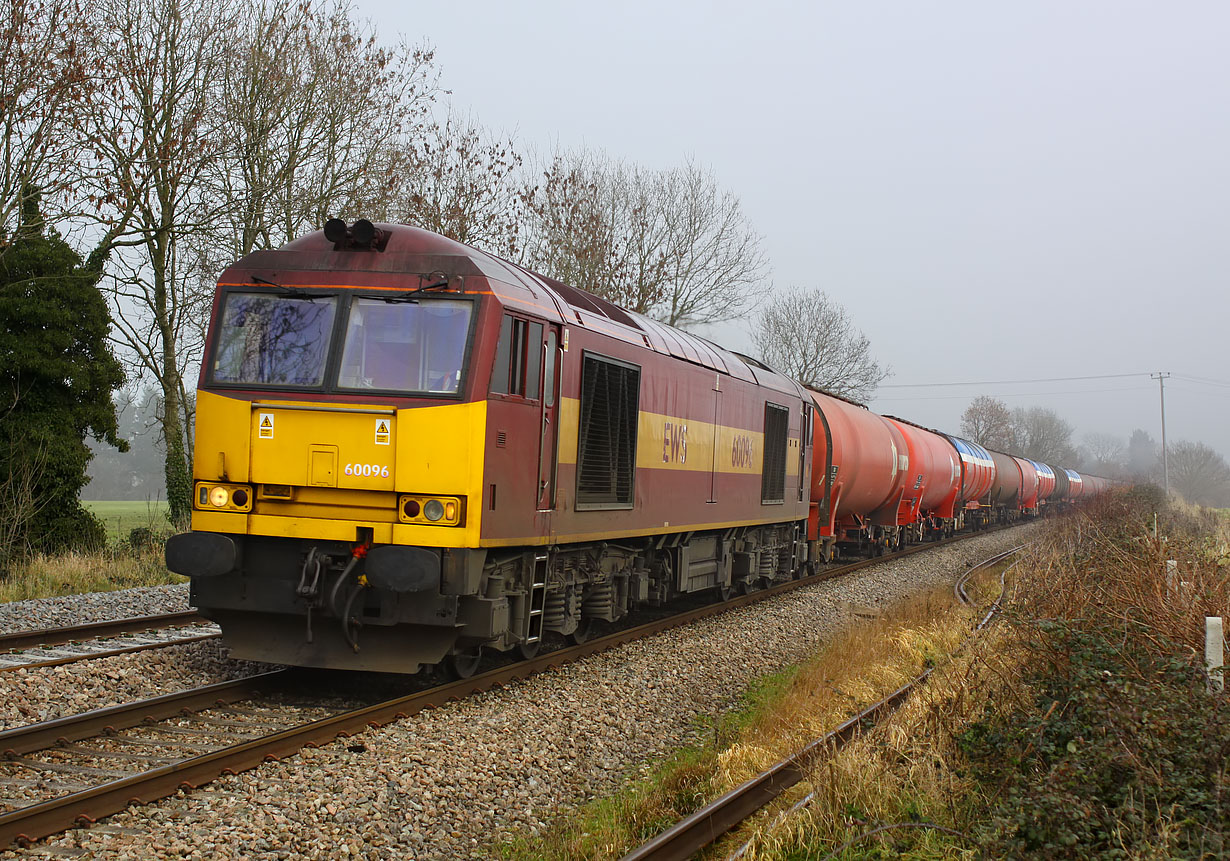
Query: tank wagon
x=977 y=476
x=409 y=451
x=860 y=464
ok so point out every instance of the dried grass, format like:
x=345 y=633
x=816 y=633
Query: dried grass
x=120 y=567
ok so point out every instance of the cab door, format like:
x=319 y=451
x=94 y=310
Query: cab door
x=552 y=359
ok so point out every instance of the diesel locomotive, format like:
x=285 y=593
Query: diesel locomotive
x=408 y=451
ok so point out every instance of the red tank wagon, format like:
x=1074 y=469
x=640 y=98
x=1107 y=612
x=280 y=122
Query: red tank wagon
x=1030 y=485
x=933 y=481
x=859 y=466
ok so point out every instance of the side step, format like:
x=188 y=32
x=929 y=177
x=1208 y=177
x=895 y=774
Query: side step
x=538 y=599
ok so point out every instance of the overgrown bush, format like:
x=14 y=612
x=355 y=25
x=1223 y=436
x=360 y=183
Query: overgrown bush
x=1117 y=750
x=1129 y=757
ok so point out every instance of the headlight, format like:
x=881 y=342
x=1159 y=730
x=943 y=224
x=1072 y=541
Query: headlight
x=433 y=510
x=229 y=497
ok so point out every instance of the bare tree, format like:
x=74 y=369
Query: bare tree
x=988 y=422
x=714 y=257
x=46 y=79
x=1043 y=436
x=593 y=225
x=1199 y=473
x=20 y=503
x=1104 y=454
x=463 y=182
x=312 y=113
x=807 y=335
x=152 y=137
x=669 y=244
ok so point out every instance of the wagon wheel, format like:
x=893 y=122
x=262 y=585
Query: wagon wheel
x=528 y=651
x=725 y=592
x=464 y=663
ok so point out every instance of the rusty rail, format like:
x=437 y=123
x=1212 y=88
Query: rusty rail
x=20 y=640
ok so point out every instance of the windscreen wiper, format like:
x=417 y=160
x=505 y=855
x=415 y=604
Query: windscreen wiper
x=289 y=292
x=409 y=295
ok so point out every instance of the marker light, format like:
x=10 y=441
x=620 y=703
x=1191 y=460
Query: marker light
x=431 y=511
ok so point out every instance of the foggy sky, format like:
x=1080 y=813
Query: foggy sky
x=995 y=191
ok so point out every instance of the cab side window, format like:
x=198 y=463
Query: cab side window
x=518 y=359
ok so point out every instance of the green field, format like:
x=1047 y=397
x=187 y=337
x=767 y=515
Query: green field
x=121 y=517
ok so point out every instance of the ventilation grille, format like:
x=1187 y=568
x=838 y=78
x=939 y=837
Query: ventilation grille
x=773 y=480
x=606 y=456
x=501 y=439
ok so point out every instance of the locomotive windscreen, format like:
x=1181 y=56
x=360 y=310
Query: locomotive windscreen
x=407 y=347
x=265 y=339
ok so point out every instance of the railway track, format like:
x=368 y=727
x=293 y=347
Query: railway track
x=51 y=647
x=53 y=782
x=707 y=825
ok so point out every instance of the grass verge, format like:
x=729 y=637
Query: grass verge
x=779 y=715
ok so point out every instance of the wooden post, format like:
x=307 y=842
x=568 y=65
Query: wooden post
x=1213 y=655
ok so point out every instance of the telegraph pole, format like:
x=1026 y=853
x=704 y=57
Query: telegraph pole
x=1161 y=384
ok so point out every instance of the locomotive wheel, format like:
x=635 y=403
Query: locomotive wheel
x=584 y=631
x=725 y=592
x=463 y=664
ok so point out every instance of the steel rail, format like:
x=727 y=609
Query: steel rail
x=58 y=731
x=108 y=653
x=27 y=824
x=704 y=827
x=20 y=640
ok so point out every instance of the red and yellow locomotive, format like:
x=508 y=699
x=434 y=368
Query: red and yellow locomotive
x=408 y=451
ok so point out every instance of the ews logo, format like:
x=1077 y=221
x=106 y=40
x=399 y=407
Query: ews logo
x=674 y=443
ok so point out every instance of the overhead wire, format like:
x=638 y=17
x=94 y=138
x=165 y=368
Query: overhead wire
x=1011 y=382
x=1014 y=394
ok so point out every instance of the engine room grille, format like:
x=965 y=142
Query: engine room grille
x=606 y=445
x=773 y=479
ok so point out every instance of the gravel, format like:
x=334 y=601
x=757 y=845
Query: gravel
x=92 y=607
x=447 y=783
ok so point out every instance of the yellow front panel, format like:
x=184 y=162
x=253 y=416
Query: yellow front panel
x=342 y=467
x=440 y=451
x=322 y=447
x=222 y=442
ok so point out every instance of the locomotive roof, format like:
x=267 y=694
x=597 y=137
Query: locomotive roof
x=407 y=250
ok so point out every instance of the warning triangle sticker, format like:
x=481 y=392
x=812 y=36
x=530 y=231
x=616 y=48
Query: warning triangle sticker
x=267 y=423
x=383 y=427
